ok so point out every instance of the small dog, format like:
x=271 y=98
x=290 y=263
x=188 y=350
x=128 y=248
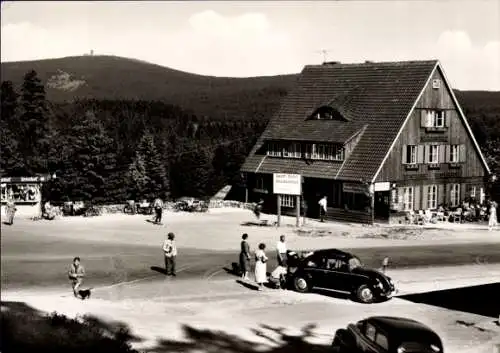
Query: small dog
x=85 y=293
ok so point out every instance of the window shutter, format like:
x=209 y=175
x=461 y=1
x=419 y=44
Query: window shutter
x=416 y=198
x=430 y=118
x=447 y=153
x=426 y=153
x=447 y=195
x=446 y=118
x=400 y=199
x=403 y=154
x=442 y=153
x=440 y=195
x=423 y=118
x=420 y=154
x=425 y=194
x=462 y=154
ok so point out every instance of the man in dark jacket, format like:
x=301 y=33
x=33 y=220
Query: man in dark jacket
x=76 y=273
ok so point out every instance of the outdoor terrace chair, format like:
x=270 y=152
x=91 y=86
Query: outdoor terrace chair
x=457 y=216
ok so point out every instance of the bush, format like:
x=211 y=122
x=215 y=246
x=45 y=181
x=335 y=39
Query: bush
x=30 y=331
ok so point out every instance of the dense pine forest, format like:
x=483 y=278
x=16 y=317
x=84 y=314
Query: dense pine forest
x=113 y=150
x=129 y=147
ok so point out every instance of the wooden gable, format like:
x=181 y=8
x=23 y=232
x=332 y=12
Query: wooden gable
x=435 y=95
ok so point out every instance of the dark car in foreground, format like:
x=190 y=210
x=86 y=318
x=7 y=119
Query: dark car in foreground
x=339 y=271
x=385 y=334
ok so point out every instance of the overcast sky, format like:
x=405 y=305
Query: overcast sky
x=263 y=38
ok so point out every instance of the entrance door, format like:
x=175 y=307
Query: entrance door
x=382 y=205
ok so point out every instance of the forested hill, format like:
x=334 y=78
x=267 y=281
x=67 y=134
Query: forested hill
x=117 y=78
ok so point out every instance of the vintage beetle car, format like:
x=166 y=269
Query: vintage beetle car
x=384 y=334
x=339 y=271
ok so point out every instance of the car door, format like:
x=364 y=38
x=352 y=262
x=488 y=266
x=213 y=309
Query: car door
x=315 y=268
x=336 y=274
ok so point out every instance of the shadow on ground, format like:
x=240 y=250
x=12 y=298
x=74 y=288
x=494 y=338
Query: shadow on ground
x=275 y=338
x=480 y=300
x=159 y=270
x=25 y=329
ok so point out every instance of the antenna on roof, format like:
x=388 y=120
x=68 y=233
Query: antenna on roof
x=324 y=52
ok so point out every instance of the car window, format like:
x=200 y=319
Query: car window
x=382 y=341
x=336 y=264
x=370 y=332
x=313 y=261
x=354 y=262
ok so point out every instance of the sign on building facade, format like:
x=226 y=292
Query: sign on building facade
x=287 y=184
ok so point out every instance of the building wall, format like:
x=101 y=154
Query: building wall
x=469 y=173
x=260 y=186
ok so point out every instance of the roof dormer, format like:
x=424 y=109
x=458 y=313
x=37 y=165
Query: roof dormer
x=326 y=112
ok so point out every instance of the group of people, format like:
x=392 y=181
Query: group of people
x=261 y=259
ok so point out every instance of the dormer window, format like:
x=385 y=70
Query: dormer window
x=327 y=113
x=274 y=149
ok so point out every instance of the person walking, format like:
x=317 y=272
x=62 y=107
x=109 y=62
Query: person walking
x=322 y=208
x=492 y=220
x=258 y=209
x=76 y=273
x=244 y=257
x=10 y=210
x=170 y=251
x=158 y=206
x=281 y=251
x=261 y=266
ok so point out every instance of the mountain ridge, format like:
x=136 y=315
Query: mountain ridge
x=108 y=77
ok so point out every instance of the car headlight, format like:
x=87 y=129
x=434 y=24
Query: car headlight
x=401 y=350
x=435 y=348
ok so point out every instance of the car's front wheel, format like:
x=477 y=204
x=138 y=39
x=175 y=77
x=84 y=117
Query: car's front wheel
x=300 y=284
x=365 y=294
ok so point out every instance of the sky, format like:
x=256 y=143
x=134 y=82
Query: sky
x=240 y=39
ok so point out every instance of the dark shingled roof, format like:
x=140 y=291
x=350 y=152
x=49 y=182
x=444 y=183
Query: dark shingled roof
x=376 y=95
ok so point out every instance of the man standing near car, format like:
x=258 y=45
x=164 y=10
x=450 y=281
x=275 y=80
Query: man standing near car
x=170 y=252
x=158 y=206
x=282 y=251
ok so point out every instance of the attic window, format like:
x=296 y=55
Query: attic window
x=436 y=83
x=326 y=113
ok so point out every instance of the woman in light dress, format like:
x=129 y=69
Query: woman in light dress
x=261 y=266
x=492 y=221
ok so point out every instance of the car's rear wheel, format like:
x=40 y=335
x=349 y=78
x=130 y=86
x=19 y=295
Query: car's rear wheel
x=300 y=284
x=365 y=294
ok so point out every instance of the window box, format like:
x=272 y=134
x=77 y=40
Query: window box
x=435 y=129
x=454 y=165
x=434 y=166
x=411 y=166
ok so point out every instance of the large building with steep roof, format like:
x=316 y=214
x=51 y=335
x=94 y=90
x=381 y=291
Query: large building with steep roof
x=377 y=138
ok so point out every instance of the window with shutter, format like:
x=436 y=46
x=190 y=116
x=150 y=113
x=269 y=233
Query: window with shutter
x=455 y=195
x=432 y=197
x=447 y=153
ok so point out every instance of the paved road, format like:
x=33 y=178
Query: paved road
x=45 y=264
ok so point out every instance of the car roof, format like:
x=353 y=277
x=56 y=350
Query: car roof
x=404 y=328
x=335 y=252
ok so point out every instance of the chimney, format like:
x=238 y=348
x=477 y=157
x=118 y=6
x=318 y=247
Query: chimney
x=331 y=63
